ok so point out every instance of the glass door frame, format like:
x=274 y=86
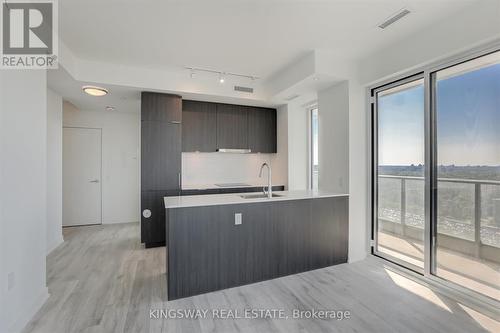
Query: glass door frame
x=374 y=172
x=428 y=72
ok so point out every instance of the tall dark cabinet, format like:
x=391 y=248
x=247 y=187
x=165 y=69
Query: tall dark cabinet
x=161 y=148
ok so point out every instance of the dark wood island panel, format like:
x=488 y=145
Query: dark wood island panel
x=208 y=252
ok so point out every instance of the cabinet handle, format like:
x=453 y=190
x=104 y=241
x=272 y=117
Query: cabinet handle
x=175 y=122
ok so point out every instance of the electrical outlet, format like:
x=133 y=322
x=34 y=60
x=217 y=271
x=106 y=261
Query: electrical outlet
x=11 y=281
x=237 y=219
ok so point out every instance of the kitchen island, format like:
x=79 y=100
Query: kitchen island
x=226 y=240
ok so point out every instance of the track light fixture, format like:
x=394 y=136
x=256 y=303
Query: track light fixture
x=222 y=75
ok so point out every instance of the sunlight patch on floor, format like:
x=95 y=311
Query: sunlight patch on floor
x=417 y=289
x=486 y=322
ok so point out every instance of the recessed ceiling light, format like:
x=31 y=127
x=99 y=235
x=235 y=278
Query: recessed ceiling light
x=95 y=91
x=110 y=108
x=221 y=78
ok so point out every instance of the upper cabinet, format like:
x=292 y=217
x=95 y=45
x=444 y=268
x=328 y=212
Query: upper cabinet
x=199 y=126
x=232 y=126
x=208 y=126
x=262 y=130
x=161 y=107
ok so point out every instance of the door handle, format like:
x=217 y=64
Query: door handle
x=94 y=181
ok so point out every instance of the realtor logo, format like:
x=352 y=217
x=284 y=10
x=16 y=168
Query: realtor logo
x=28 y=34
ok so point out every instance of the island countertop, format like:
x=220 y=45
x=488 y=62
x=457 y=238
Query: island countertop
x=232 y=199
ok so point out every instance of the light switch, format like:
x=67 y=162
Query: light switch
x=11 y=281
x=237 y=219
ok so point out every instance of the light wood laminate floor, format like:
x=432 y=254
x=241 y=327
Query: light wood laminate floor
x=102 y=280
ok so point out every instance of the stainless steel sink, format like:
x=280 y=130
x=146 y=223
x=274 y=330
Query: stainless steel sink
x=259 y=196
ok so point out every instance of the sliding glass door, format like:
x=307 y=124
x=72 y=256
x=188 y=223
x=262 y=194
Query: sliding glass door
x=399 y=172
x=436 y=173
x=467 y=111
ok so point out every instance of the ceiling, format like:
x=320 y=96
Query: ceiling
x=253 y=37
x=122 y=98
x=259 y=38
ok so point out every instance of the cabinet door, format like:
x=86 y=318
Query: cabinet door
x=232 y=126
x=262 y=130
x=153 y=229
x=160 y=156
x=161 y=107
x=199 y=126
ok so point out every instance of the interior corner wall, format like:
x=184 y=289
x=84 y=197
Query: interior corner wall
x=342 y=140
x=359 y=170
x=54 y=170
x=298 y=143
x=23 y=191
x=280 y=160
x=120 y=159
x=333 y=138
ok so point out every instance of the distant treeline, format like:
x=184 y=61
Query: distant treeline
x=444 y=171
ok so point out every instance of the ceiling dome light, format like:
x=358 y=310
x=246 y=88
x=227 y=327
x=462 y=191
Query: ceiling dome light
x=95 y=91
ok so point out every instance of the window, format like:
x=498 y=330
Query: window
x=436 y=173
x=314 y=148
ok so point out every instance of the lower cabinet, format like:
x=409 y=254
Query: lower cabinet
x=208 y=252
x=153 y=230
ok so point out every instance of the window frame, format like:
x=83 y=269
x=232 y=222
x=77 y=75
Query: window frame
x=374 y=171
x=310 y=164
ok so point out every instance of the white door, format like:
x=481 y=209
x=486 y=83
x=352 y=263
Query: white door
x=81 y=176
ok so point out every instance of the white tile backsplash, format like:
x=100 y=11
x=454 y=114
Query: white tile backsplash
x=212 y=168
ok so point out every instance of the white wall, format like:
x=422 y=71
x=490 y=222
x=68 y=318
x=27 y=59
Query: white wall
x=120 y=159
x=475 y=25
x=280 y=161
x=333 y=138
x=298 y=145
x=359 y=167
x=23 y=213
x=54 y=170
x=343 y=161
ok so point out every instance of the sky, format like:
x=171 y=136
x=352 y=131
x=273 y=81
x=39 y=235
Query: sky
x=468 y=121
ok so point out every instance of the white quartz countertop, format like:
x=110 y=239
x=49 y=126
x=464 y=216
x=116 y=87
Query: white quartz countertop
x=231 y=199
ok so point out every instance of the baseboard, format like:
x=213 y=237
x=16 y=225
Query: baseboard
x=121 y=222
x=56 y=244
x=27 y=314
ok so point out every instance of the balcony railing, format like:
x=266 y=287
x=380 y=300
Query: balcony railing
x=470 y=234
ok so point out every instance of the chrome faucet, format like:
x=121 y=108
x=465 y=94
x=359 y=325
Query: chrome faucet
x=269 y=192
